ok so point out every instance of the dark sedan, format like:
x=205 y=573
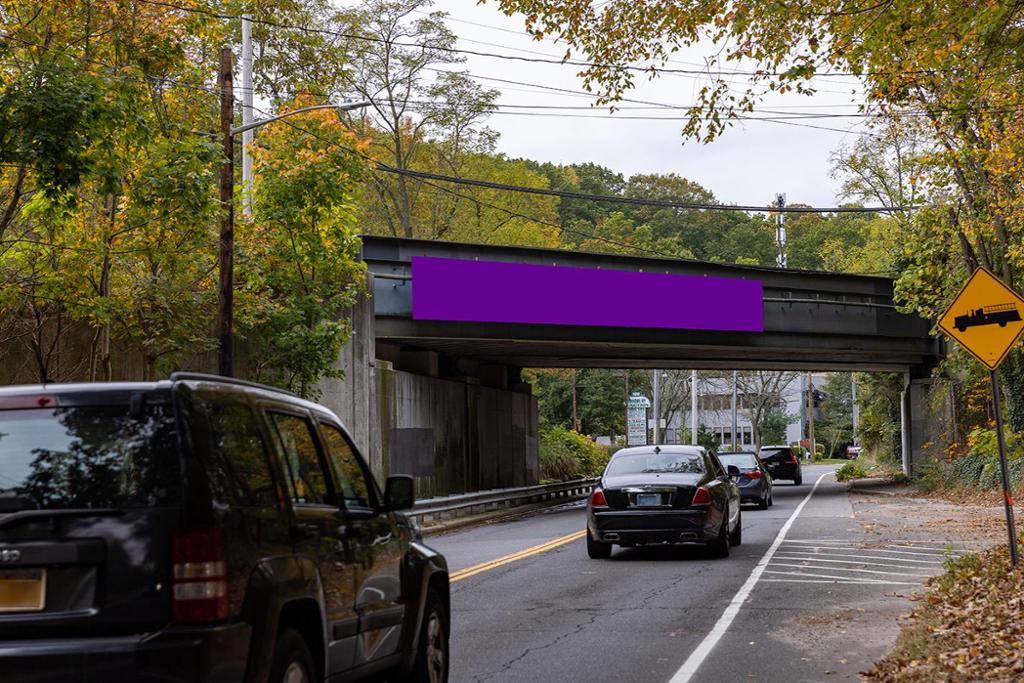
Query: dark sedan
x=754 y=481
x=658 y=495
x=783 y=462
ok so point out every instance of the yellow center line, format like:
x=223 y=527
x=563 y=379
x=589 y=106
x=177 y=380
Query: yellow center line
x=507 y=559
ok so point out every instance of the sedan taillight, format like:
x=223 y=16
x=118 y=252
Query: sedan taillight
x=701 y=497
x=597 y=498
x=753 y=474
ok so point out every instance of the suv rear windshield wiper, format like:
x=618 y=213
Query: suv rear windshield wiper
x=79 y=512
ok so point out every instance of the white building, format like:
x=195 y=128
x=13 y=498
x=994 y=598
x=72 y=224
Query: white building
x=714 y=397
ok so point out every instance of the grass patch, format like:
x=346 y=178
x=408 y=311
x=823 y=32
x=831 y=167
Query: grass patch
x=851 y=470
x=830 y=461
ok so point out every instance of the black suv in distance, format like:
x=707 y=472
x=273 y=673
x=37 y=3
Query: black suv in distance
x=204 y=529
x=783 y=462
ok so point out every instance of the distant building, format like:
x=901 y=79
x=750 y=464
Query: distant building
x=715 y=412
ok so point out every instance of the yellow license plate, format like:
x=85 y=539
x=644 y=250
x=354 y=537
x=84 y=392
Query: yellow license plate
x=22 y=590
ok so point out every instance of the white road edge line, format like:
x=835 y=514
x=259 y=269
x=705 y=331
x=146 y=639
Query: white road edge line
x=697 y=657
x=840 y=583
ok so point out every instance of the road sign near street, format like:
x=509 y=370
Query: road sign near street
x=639 y=401
x=985 y=318
x=636 y=420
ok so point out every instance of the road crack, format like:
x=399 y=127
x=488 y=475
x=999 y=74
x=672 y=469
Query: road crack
x=578 y=628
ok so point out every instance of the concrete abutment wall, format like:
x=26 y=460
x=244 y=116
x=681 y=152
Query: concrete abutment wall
x=456 y=426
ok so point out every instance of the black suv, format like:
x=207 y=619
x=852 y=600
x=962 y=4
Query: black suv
x=783 y=462
x=204 y=529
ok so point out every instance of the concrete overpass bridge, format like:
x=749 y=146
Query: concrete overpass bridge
x=433 y=381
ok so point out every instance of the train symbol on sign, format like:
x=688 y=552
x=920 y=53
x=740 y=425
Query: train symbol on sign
x=998 y=314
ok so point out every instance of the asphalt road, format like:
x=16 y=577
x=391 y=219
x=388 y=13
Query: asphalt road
x=529 y=605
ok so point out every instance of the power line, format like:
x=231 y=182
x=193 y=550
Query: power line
x=636 y=201
x=446 y=48
x=480 y=202
x=614 y=199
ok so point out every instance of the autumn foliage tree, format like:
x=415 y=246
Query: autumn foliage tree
x=299 y=258
x=953 y=66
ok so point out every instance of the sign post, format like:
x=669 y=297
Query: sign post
x=985 y=318
x=636 y=420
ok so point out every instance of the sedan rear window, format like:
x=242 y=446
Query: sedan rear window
x=742 y=460
x=88 y=457
x=774 y=452
x=662 y=463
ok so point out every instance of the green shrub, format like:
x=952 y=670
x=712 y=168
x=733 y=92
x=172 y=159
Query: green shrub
x=991 y=476
x=983 y=442
x=930 y=476
x=566 y=455
x=967 y=471
x=851 y=470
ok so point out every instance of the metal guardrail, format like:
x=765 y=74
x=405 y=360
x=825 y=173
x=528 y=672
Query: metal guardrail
x=442 y=507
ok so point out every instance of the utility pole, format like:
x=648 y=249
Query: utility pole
x=656 y=406
x=734 y=440
x=225 y=312
x=854 y=409
x=246 y=114
x=694 y=418
x=575 y=420
x=810 y=416
x=625 y=380
x=780 y=230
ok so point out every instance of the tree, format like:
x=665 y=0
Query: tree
x=773 y=426
x=300 y=268
x=879 y=399
x=397 y=45
x=105 y=242
x=953 y=66
x=835 y=426
x=761 y=394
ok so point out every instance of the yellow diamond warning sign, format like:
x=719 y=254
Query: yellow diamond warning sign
x=985 y=318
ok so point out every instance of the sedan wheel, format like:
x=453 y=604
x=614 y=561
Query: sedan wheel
x=763 y=505
x=736 y=537
x=597 y=550
x=720 y=546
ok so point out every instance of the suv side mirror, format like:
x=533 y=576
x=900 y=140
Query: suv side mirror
x=733 y=471
x=399 y=493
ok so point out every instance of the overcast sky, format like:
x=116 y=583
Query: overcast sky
x=748 y=164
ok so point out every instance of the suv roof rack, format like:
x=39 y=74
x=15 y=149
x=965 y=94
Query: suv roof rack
x=204 y=377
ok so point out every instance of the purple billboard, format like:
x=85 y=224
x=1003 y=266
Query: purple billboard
x=500 y=292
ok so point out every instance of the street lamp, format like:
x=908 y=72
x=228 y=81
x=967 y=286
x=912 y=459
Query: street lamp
x=226 y=296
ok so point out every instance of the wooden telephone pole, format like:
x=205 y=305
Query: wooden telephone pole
x=225 y=301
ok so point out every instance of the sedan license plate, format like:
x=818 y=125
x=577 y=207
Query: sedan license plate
x=22 y=590
x=648 y=499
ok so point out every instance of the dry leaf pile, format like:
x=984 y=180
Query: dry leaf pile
x=968 y=627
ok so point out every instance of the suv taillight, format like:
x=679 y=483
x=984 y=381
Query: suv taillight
x=792 y=458
x=701 y=497
x=199 y=576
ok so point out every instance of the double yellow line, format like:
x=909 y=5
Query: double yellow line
x=507 y=559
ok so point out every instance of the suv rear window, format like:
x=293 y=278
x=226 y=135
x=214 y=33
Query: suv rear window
x=89 y=457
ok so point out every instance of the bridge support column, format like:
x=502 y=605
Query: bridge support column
x=925 y=423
